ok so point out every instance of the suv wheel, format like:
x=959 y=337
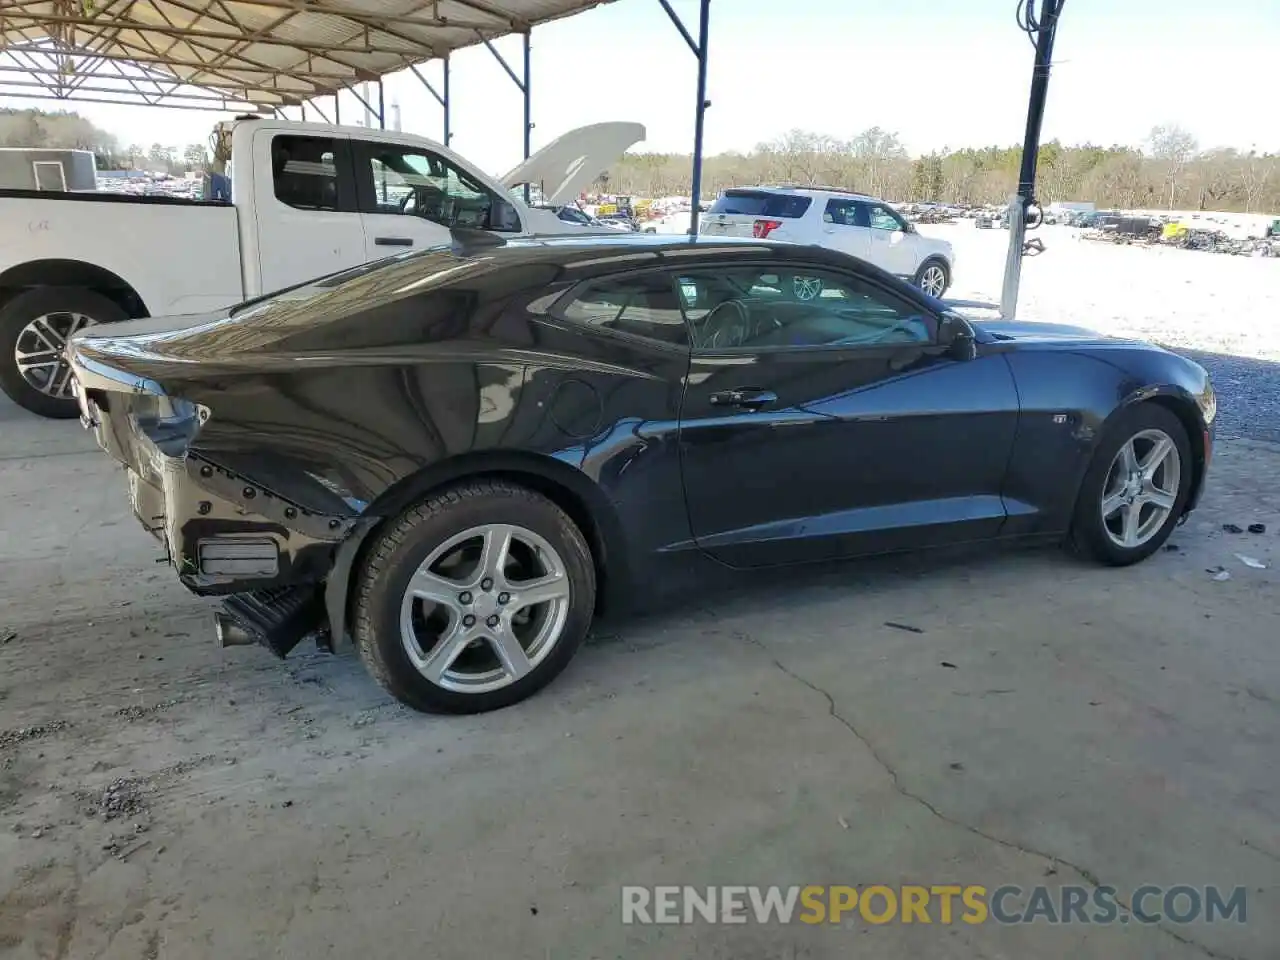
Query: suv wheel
x=933 y=277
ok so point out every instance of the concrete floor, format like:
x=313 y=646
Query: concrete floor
x=1051 y=722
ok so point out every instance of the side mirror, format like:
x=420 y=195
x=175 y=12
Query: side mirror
x=910 y=227
x=956 y=335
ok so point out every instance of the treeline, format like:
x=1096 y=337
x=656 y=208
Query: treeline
x=1170 y=171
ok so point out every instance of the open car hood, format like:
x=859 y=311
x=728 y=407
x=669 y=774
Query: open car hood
x=565 y=166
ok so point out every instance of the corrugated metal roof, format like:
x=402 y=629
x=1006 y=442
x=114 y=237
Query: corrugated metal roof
x=236 y=54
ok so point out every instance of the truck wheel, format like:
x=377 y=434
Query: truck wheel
x=475 y=599
x=34 y=329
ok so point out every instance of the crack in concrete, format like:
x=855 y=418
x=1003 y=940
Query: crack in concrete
x=902 y=790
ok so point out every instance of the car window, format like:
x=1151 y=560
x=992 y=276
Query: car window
x=880 y=217
x=841 y=212
x=761 y=203
x=645 y=306
x=304 y=173
x=416 y=182
x=779 y=307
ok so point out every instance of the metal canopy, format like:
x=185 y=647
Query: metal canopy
x=230 y=55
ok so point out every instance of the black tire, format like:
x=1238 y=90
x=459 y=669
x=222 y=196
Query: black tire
x=1088 y=536
x=409 y=540
x=918 y=279
x=20 y=311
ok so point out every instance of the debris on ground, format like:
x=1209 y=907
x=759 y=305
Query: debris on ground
x=948 y=664
x=1257 y=528
x=8 y=636
x=1219 y=573
x=1253 y=562
x=137 y=712
x=122 y=797
x=1232 y=528
x=10 y=738
x=903 y=626
x=1172 y=547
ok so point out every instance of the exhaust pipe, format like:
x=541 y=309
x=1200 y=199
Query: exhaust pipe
x=230 y=633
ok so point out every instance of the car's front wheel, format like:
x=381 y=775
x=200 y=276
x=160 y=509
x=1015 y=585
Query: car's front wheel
x=474 y=599
x=933 y=277
x=1135 y=489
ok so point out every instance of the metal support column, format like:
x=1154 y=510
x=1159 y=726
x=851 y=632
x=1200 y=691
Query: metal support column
x=1044 y=30
x=337 y=108
x=442 y=99
x=525 y=89
x=699 y=48
x=382 y=106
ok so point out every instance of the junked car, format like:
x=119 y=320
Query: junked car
x=454 y=459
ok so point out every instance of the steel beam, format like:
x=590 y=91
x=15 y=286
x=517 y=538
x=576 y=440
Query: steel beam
x=441 y=98
x=700 y=50
x=1025 y=198
x=524 y=87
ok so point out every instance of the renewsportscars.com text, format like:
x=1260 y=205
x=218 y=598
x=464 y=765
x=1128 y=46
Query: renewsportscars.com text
x=936 y=903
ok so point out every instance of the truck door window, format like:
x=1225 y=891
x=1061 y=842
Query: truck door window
x=416 y=182
x=304 y=172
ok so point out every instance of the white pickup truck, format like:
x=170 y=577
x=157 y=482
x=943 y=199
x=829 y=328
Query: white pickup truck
x=307 y=200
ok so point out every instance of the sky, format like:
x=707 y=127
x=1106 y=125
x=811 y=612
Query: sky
x=941 y=73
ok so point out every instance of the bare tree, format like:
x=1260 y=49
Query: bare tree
x=1175 y=147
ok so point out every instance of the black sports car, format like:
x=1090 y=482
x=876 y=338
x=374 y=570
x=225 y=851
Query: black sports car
x=455 y=457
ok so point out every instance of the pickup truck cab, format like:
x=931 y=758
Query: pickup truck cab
x=307 y=200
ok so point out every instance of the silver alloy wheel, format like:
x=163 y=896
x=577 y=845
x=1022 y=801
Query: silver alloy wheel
x=806 y=288
x=41 y=352
x=1141 y=488
x=934 y=280
x=485 y=608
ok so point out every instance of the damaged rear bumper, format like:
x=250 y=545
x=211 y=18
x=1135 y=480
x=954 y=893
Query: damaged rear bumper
x=226 y=536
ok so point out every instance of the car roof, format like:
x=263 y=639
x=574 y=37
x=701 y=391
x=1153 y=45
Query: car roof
x=788 y=189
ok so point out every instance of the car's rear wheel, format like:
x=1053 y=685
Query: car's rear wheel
x=933 y=277
x=35 y=327
x=1136 y=488
x=475 y=599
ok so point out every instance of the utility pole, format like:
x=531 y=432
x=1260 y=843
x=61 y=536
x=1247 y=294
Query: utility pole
x=1044 y=28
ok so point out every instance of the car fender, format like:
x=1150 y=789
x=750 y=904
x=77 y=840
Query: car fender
x=564 y=484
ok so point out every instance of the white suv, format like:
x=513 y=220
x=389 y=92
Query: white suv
x=861 y=226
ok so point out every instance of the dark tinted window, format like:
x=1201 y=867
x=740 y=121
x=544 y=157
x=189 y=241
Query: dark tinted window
x=763 y=307
x=645 y=307
x=758 y=203
x=304 y=172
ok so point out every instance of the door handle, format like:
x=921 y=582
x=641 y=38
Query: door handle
x=750 y=398
x=393 y=241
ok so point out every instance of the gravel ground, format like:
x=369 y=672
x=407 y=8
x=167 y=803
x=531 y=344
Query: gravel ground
x=1222 y=311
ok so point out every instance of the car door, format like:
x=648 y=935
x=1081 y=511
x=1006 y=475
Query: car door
x=891 y=239
x=841 y=230
x=306 y=220
x=411 y=197
x=833 y=426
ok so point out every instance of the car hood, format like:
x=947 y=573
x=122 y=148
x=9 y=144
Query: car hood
x=1036 y=332
x=567 y=165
